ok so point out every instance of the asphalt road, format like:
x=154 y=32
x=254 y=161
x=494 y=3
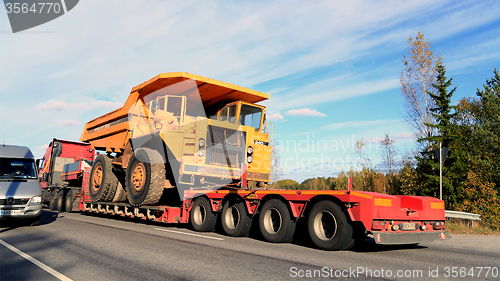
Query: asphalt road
x=92 y=247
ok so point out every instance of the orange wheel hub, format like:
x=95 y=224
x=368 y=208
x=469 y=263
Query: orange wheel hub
x=138 y=177
x=97 y=178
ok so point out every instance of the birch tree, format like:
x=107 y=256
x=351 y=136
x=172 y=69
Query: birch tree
x=417 y=77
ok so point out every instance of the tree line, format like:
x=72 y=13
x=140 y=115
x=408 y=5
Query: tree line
x=470 y=130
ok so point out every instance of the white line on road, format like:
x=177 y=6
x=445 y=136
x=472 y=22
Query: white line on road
x=197 y=235
x=35 y=261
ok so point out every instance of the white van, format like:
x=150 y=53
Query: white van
x=20 y=191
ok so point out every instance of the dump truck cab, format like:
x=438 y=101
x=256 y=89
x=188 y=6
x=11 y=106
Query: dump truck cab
x=207 y=134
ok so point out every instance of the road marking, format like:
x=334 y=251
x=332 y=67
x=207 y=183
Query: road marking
x=192 y=234
x=36 y=262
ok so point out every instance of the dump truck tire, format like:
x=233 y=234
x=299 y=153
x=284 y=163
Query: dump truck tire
x=202 y=218
x=120 y=195
x=329 y=228
x=103 y=181
x=275 y=222
x=235 y=220
x=60 y=201
x=145 y=178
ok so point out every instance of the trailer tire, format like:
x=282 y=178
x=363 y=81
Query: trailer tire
x=145 y=178
x=202 y=218
x=328 y=227
x=235 y=220
x=60 y=200
x=53 y=199
x=103 y=182
x=275 y=222
x=68 y=202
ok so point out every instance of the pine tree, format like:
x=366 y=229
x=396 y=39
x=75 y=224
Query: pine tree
x=428 y=167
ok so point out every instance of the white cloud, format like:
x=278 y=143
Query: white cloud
x=59 y=105
x=305 y=112
x=357 y=124
x=403 y=136
x=69 y=123
x=112 y=104
x=275 y=117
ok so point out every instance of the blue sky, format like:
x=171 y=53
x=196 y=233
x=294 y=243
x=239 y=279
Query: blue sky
x=331 y=67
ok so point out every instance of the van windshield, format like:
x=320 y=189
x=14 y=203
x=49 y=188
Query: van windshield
x=15 y=168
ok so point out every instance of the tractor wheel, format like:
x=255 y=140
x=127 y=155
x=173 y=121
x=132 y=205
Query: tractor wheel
x=53 y=199
x=328 y=227
x=235 y=220
x=103 y=181
x=68 y=203
x=60 y=200
x=145 y=178
x=275 y=222
x=202 y=217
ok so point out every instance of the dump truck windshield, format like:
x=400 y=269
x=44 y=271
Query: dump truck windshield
x=11 y=168
x=250 y=116
x=228 y=113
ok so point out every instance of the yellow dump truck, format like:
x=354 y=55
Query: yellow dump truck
x=177 y=131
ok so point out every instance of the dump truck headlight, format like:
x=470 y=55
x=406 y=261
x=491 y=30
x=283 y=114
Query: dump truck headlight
x=201 y=152
x=201 y=142
x=249 y=159
x=249 y=150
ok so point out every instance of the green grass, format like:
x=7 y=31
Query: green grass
x=458 y=226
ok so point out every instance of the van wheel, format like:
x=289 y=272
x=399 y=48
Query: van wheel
x=235 y=220
x=103 y=182
x=202 y=218
x=68 y=202
x=328 y=227
x=275 y=222
x=145 y=177
x=60 y=200
x=35 y=221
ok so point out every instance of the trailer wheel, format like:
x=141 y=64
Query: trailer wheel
x=53 y=199
x=60 y=200
x=68 y=202
x=328 y=227
x=235 y=220
x=145 y=177
x=103 y=182
x=202 y=217
x=275 y=222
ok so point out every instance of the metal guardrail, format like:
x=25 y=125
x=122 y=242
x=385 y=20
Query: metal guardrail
x=462 y=215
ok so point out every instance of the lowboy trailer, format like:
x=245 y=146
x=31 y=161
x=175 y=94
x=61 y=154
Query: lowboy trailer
x=189 y=149
x=336 y=219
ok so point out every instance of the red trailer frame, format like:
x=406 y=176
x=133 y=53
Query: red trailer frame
x=390 y=219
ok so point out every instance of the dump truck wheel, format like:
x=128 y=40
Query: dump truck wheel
x=60 y=201
x=120 y=195
x=103 y=181
x=202 y=218
x=275 y=222
x=328 y=227
x=235 y=220
x=145 y=177
x=68 y=202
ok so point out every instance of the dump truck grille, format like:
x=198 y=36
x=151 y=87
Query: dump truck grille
x=225 y=147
